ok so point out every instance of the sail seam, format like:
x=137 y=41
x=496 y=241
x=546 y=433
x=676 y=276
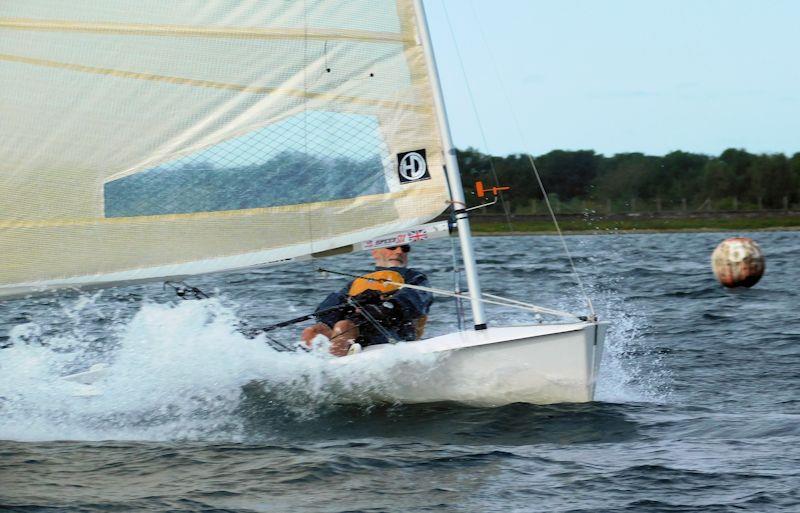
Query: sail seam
x=211 y=84
x=191 y=31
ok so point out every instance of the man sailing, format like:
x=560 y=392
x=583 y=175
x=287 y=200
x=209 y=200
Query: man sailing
x=373 y=310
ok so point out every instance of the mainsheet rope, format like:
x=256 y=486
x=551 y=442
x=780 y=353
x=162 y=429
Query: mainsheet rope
x=492 y=299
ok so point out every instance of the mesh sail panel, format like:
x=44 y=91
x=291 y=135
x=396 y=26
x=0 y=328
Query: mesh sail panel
x=152 y=139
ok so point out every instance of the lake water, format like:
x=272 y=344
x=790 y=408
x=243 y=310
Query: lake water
x=698 y=402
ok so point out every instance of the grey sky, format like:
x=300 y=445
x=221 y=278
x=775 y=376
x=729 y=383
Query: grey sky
x=623 y=75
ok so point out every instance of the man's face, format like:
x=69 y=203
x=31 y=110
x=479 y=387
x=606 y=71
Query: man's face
x=390 y=257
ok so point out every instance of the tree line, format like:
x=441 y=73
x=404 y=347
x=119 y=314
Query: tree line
x=735 y=179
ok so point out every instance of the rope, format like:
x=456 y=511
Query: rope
x=375 y=324
x=540 y=309
x=522 y=137
x=477 y=116
x=494 y=300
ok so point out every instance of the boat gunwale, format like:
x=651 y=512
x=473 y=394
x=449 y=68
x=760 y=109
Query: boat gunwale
x=478 y=339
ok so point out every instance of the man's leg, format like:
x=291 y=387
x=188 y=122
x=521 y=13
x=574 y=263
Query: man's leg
x=341 y=336
x=344 y=334
x=317 y=329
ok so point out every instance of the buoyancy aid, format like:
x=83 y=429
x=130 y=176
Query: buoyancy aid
x=380 y=281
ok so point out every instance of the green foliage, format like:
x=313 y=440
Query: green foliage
x=664 y=224
x=735 y=179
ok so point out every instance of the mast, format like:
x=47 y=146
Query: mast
x=453 y=175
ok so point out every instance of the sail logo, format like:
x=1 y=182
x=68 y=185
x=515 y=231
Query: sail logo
x=412 y=166
x=397 y=239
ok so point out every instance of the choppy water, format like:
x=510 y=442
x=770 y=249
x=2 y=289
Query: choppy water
x=698 y=410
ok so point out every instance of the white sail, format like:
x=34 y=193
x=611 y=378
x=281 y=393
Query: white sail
x=160 y=139
x=157 y=139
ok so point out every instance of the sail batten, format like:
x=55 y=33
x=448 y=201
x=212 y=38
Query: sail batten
x=153 y=140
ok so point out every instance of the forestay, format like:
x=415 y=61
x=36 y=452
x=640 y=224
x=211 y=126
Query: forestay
x=154 y=139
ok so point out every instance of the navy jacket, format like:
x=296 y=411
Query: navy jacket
x=413 y=304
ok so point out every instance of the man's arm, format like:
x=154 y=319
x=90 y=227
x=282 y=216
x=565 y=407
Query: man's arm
x=413 y=303
x=338 y=298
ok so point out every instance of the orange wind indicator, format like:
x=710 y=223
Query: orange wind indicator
x=481 y=191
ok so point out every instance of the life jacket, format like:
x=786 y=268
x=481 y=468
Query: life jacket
x=374 y=281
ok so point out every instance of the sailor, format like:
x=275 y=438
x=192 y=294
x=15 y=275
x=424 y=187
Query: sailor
x=373 y=307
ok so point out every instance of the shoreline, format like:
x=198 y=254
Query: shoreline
x=641 y=223
x=630 y=231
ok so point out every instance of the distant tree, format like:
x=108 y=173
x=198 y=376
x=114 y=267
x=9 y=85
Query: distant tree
x=569 y=173
x=794 y=165
x=683 y=172
x=474 y=166
x=738 y=162
x=719 y=180
x=581 y=175
x=770 y=178
x=512 y=171
x=624 y=176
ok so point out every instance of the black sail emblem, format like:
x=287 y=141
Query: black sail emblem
x=412 y=166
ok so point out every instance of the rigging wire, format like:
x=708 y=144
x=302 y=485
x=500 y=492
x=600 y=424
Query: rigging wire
x=457 y=285
x=451 y=225
x=477 y=116
x=521 y=135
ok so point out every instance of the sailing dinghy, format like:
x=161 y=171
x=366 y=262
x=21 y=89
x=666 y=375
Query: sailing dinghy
x=159 y=142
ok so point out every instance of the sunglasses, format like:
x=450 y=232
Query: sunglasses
x=405 y=247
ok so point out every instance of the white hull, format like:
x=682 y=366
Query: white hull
x=540 y=364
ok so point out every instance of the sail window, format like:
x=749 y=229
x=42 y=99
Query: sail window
x=306 y=158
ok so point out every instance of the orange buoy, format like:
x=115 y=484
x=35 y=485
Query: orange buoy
x=738 y=262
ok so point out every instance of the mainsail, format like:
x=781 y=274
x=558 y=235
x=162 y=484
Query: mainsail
x=152 y=139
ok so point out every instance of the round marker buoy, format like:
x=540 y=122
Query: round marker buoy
x=738 y=262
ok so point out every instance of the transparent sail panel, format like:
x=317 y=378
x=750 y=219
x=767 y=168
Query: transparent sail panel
x=157 y=139
x=309 y=157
